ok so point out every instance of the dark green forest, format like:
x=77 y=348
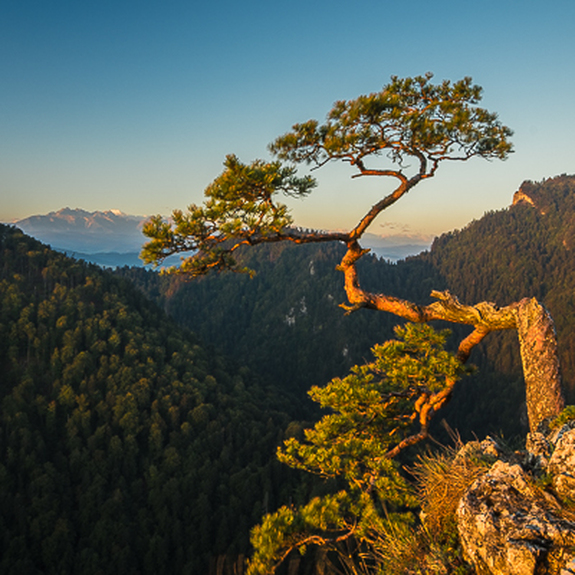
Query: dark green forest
x=125 y=447
x=140 y=413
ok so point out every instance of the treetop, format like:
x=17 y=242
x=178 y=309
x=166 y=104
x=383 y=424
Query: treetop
x=409 y=117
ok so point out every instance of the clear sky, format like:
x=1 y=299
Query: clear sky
x=133 y=105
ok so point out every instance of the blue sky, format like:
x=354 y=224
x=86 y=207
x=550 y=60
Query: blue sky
x=134 y=105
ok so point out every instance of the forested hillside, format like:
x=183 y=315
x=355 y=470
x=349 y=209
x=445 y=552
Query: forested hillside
x=286 y=323
x=524 y=251
x=124 y=446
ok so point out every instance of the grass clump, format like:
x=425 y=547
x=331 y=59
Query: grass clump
x=433 y=548
x=567 y=415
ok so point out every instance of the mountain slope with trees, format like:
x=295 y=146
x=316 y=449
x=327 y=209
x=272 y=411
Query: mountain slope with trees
x=502 y=257
x=285 y=322
x=526 y=250
x=124 y=446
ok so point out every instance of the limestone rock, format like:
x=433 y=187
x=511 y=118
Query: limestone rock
x=488 y=448
x=507 y=526
x=520 y=197
x=538 y=347
x=562 y=464
x=538 y=449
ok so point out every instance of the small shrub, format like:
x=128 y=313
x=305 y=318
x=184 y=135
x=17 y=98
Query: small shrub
x=568 y=414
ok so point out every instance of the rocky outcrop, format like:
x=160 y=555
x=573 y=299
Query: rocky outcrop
x=514 y=519
x=561 y=467
x=520 y=197
x=527 y=194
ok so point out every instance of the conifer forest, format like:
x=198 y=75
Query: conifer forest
x=140 y=413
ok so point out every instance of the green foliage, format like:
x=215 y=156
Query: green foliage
x=124 y=446
x=567 y=415
x=374 y=407
x=240 y=205
x=408 y=118
x=372 y=410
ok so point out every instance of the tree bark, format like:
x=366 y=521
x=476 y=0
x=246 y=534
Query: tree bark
x=538 y=345
x=534 y=325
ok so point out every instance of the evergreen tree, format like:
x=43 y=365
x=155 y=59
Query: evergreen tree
x=378 y=408
x=410 y=120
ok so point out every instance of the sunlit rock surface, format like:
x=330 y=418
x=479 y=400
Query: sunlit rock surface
x=510 y=520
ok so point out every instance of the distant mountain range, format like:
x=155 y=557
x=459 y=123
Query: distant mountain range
x=397 y=247
x=113 y=238
x=77 y=230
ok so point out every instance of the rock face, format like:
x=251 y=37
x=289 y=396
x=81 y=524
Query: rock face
x=520 y=197
x=561 y=466
x=509 y=524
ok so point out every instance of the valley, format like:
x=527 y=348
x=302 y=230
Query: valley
x=141 y=413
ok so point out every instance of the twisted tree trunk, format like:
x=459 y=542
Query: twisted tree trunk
x=534 y=325
x=538 y=345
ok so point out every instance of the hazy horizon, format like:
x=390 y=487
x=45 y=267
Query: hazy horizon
x=393 y=230
x=112 y=237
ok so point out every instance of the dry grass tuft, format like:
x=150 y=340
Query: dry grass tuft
x=433 y=548
x=442 y=480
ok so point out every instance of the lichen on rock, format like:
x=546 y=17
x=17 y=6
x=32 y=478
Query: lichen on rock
x=509 y=524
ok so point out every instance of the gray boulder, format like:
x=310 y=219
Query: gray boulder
x=509 y=524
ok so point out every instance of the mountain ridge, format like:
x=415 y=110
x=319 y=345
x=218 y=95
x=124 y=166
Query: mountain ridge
x=78 y=230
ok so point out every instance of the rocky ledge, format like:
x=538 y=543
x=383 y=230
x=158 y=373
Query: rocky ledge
x=519 y=517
